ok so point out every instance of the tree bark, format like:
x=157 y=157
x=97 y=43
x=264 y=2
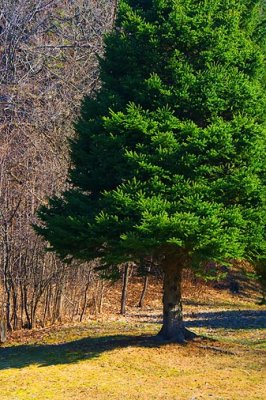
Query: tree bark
x=85 y=297
x=3 y=330
x=101 y=298
x=144 y=290
x=124 y=290
x=173 y=328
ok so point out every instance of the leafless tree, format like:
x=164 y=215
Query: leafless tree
x=48 y=62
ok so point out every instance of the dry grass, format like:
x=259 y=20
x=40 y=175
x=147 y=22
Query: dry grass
x=117 y=358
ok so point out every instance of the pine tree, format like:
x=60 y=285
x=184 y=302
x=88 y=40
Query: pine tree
x=169 y=155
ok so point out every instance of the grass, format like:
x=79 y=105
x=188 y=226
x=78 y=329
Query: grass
x=120 y=360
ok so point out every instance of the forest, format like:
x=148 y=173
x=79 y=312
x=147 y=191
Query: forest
x=48 y=63
x=132 y=198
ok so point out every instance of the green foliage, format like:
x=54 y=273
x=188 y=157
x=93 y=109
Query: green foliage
x=170 y=153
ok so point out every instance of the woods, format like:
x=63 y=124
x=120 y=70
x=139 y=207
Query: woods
x=168 y=159
x=132 y=199
x=48 y=52
x=166 y=156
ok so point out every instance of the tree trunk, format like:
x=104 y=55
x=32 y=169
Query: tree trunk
x=144 y=290
x=101 y=298
x=2 y=331
x=173 y=328
x=124 y=289
x=85 y=297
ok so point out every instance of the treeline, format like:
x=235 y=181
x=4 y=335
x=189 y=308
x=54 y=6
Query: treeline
x=48 y=55
x=48 y=61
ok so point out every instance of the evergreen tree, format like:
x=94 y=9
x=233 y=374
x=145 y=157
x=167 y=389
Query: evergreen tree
x=169 y=155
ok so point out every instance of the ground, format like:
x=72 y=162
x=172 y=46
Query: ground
x=113 y=357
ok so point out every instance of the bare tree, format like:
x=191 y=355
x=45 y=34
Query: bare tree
x=48 y=62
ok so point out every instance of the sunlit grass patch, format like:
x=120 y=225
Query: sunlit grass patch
x=119 y=359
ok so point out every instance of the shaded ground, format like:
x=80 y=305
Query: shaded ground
x=92 y=346
x=227 y=319
x=114 y=357
x=45 y=355
x=120 y=359
x=241 y=319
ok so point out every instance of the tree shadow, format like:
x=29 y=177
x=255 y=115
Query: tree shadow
x=231 y=319
x=200 y=303
x=45 y=355
x=236 y=319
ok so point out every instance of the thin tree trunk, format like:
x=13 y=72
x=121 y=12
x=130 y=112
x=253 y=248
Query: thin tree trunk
x=85 y=297
x=15 y=307
x=3 y=330
x=21 y=305
x=25 y=298
x=46 y=303
x=101 y=297
x=7 y=279
x=124 y=290
x=58 y=304
x=144 y=290
x=173 y=328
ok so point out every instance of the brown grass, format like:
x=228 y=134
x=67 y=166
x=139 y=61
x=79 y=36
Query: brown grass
x=114 y=357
